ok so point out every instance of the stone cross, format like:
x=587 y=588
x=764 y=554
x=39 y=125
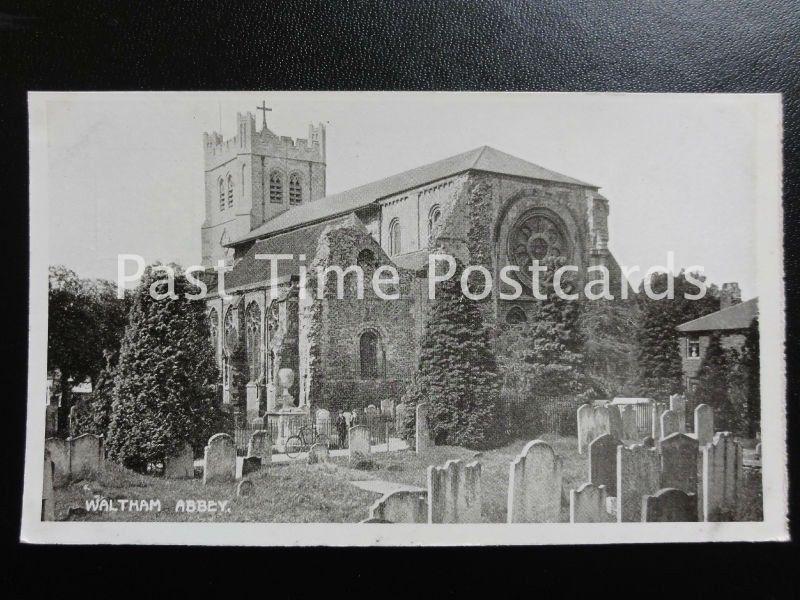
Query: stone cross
x=263 y=108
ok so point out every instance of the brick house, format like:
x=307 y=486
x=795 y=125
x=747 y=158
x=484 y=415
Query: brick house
x=731 y=322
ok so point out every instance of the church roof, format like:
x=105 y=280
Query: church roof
x=484 y=158
x=738 y=316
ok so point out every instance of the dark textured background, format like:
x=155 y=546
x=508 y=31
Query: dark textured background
x=690 y=46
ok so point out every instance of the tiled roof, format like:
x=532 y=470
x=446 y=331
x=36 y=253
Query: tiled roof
x=738 y=316
x=484 y=158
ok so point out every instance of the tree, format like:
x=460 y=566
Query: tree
x=93 y=414
x=457 y=370
x=164 y=389
x=712 y=384
x=751 y=357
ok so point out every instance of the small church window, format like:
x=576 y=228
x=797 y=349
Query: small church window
x=230 y=191
x=295 y=189
x=221 y=195
x=516 y=316
x=433 y=217
x=275 y=188
x=371 y=354
x=395 y=240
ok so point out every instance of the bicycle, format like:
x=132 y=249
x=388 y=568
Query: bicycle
x=302 y=441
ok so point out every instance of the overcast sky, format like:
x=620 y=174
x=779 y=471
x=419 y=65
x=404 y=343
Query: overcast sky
x=126 y=170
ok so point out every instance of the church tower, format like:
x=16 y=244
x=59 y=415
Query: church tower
x=254 y=177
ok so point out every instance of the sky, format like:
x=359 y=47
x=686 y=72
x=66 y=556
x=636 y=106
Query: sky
x=125 y=170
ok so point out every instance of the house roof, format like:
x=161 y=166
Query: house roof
x=738 y=316
x=483 y=158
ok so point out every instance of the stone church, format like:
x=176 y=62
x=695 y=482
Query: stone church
x=265 y=194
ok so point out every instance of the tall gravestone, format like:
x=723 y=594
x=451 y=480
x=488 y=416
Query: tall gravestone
x=423 y=432
x=656 y=408
x=534 y=485
x=722 y=476
x=679 y=463
x=403 y=506
x=630 y=428
x=603 y=462
x=594 y=421
x=260 y=445
x=86 y=455
x=638 y=475
x=586 y=426
x=59 y=454
x=181 y=464
x=669 y=505
x=587 y=504
x=704 y=424
x=358 y=438
x=677 y=404
x=220 y=459
x=48 y=496
x=669 y=424
x=454 y=493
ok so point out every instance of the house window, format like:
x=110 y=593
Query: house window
x=371 y=354
x=433 y=217
x=275 y=188
x=221 y=195
x=395 y=240
x=230 y=191
x=693 y=350
x=295 y=189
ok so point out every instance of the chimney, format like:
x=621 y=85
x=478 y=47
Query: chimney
x=729 y=295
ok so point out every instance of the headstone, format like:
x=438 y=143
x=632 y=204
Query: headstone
x=244 y=488
x=669 y=424
x=48 y=497
x=399 y=415
x=59 y=454
x=669 y=505
x=587 y=504
x=323 y=421
x=594 y=421
x=423 y=433
x=181 y=465
x=534 y=485
x=679 y=463
x=454 y=493
x=638 y=475
x=371 y=412
x=586 y=426
x=677 y=404
x=614 y=421
x=630 y=428
x=358 y=437
x=403 y=506
x=86 y=455
x=722 y=477
x=220 y=459
x=251 y=464
x=704 y=424
x=758 y=451
x=603 y=462
x=260 y=445
x=656 y=408
x=318 y=453
x=387 y=408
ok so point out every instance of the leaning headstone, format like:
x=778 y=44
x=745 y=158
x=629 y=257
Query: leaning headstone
x=85 y=455
x=387 y=408
x=677 y=404
x=181 y=464
x=244 y=488
x=423 y=433
x=704 y=424
x=260 y=445
x=534 y=485
x=403 y=506
x=630 y=428
x=318 y=453
x=603 y=462
x=59 y=454
x=679 y=462
x=358 y=437
x=220 y=459
x=587 y=504
x=669 y=505
x=251 y=464
x=722 y=476
x=669 y=424
x=638 y=475
x=454 y=493
x=48 y=497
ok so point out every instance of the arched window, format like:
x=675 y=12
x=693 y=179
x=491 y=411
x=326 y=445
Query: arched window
x=516 y=316
x=229 y=330
x=371 y=353
x=295 y=189
x=221 y=195
x=253 y=340
x=213 y=328
x=395 y=241
x=275 y=188
x=230 y=191
x=434 y=215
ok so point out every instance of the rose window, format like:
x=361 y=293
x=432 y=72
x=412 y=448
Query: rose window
x=534 y=238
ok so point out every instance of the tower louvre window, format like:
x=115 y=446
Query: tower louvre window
x=221 y=195
x=275 y=188
x=295 y=189
x=230 y=191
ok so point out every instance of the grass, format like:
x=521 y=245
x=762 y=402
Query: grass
x=300 y=493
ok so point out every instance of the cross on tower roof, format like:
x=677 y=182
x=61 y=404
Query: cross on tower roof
x=264 y=110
